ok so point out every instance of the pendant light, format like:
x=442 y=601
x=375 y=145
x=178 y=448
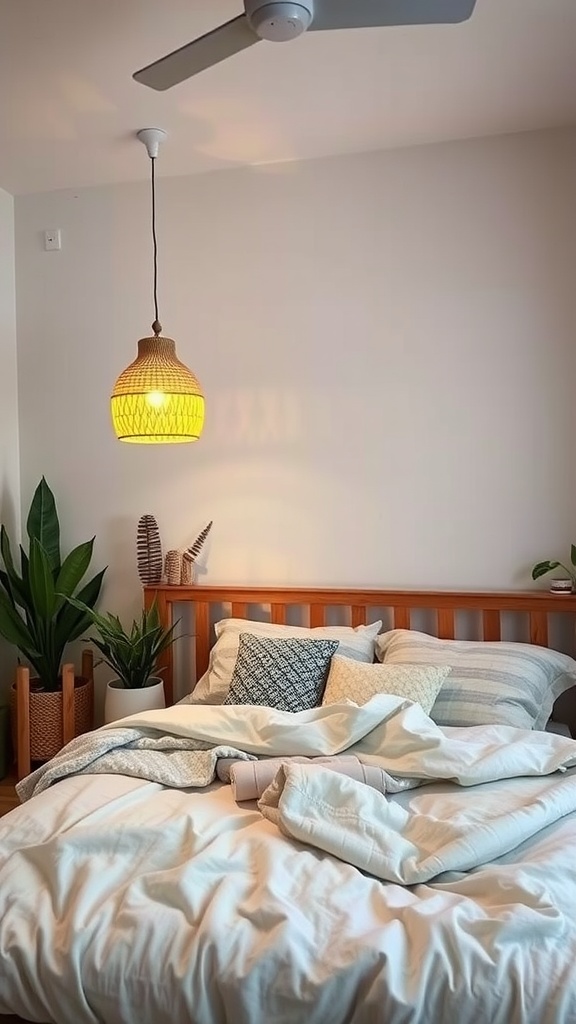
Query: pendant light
x=156 y=400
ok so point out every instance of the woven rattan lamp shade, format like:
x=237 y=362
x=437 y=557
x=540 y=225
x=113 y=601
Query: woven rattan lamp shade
x=157 y=400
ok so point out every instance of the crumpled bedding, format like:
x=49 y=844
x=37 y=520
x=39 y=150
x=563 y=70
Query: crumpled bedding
x=122 y=900
x=365 y=828
x=388 y=732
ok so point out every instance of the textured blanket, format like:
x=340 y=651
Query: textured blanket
x=179 y=746
x=142 y=753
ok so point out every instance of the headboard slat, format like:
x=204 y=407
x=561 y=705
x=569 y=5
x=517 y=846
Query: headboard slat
x=491 y=624
x=358 y=615
x=239 y=610
x=278 y=614
x=202 y=624
x=401 y=618
x=317 y=615
x=539 y=628
x=446 y=623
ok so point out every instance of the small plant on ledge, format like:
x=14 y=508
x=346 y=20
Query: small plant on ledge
x=133 y=654
x=542 y=568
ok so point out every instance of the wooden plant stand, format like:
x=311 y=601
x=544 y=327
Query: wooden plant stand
x=23 y=755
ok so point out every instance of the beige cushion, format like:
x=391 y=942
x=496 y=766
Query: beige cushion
x=352 y=680
x=212 y=688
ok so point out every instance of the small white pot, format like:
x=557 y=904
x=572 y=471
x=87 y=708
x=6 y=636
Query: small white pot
x=121 y=702
x=561 y=586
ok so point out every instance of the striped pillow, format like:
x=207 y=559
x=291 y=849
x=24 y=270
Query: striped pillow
x=490 y=683
x=212 y=688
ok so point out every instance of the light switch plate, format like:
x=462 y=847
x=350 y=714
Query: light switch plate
x=52 y=239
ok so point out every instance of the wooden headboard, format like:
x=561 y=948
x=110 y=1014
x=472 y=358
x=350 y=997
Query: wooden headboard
x=210 y=602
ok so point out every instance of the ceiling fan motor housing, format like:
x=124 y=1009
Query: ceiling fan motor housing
x=279 y=22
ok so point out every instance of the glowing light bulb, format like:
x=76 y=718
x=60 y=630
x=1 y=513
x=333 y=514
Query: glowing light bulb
x=156 y=399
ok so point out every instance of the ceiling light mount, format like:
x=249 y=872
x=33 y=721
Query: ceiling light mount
x=152 y=138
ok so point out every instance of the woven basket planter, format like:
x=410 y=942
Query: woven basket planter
x=46 y=728
x=43 y=722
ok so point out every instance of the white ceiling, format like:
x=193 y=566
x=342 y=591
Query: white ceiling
x=68 y=104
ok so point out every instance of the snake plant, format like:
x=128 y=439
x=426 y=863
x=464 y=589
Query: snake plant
x=133 y=654
x=35 y=613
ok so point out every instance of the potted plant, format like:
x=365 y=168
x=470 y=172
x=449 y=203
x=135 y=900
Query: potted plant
x=559 y=585
x=37 y=618
x=133 y=656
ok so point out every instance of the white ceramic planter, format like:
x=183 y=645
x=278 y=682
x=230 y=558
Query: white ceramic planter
x=121 y=702
x=561 y=586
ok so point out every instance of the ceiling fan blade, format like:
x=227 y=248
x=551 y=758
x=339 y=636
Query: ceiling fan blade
x=373 y=13
x=201 y=53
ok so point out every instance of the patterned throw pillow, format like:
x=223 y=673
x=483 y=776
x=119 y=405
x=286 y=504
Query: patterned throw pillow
x=352 y=680
x=289 y=675
x=354 y=642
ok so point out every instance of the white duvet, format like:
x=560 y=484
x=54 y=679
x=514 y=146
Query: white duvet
x=124 y=901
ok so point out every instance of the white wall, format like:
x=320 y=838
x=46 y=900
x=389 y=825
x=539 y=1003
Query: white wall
x=9 y=456
x=387 y=344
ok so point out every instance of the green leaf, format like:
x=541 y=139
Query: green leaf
x=80 y=606
x=91 y=591
x=6 y=552
x=10 y=589
x=41 y=582
x=43 y=525
x=543 y=567
x=24 y=565
x=11 y=581
x=14 y=629
x=74 y=568
x=72 y=621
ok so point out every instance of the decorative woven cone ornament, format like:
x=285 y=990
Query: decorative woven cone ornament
x=157 y=400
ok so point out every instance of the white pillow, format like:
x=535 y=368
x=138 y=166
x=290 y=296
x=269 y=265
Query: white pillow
x=491 y=683
x=352 y=680
x=356 y=643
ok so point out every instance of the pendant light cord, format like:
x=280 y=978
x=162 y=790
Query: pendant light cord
x=156 y=326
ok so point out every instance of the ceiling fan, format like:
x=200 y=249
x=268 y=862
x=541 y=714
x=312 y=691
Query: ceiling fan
x=281 y=22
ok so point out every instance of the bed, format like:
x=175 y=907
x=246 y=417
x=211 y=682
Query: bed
x=447 y=893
